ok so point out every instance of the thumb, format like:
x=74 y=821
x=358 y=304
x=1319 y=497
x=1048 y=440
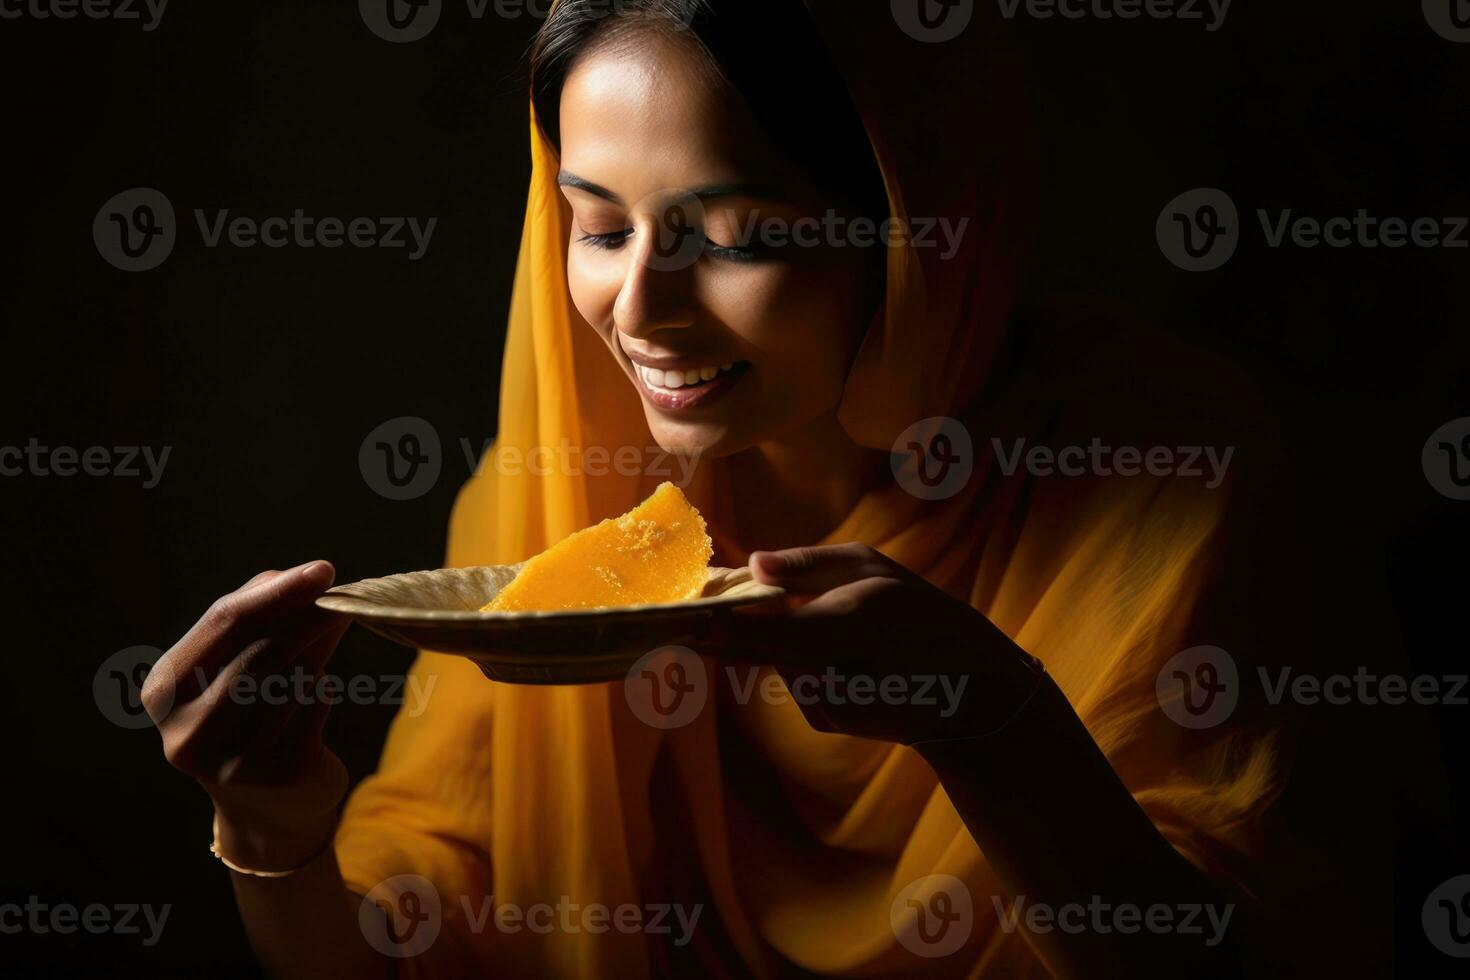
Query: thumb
x=813 y=570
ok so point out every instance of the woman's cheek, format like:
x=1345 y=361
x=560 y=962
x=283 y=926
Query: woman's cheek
x=593 y=292
x=790 y=316
x=754 y=298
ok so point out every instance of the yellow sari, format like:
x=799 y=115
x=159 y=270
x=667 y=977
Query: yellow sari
x=795 y=844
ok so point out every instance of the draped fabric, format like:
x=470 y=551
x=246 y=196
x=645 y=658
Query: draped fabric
x=793 y=843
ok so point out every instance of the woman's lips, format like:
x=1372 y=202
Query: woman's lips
x=683 y=389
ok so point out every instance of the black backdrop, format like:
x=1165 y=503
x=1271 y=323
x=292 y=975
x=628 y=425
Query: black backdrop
x=264 y=370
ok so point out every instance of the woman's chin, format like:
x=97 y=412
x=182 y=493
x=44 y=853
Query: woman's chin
x=704 y=440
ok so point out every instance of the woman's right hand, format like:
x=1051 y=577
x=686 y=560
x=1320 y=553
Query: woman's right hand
x=237 y=704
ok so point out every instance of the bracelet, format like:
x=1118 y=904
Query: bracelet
x=215 y=850
x=1025 y=703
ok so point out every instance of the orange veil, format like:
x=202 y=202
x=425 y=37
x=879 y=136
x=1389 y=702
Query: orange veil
x=795 y=844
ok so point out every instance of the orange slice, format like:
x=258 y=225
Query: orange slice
x=657 y=552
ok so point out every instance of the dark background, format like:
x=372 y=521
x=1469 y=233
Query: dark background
x=265 y=369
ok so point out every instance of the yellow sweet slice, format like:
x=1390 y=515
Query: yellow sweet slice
x=657 y=552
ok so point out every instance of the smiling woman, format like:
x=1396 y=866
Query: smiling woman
x=682 y=150
x=866 y=830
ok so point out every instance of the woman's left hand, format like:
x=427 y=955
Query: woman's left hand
x=868 y=648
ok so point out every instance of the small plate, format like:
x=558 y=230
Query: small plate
x=439 y=610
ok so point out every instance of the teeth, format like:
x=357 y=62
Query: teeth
x=656 y=378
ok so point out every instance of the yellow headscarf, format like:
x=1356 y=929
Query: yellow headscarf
x=794 y=843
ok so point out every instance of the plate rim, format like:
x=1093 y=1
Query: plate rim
x=335 y=600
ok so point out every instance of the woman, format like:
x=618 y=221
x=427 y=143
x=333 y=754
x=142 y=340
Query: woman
x=829 y=836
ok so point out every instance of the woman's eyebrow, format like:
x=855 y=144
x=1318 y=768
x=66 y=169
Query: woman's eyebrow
x=568 y=179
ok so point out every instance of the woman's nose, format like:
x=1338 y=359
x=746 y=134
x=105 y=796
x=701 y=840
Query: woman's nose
x=658 y=287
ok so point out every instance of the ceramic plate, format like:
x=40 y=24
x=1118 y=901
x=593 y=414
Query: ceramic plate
x=439 y=610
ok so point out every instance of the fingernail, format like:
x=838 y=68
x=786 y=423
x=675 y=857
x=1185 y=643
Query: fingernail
x=315 y=569
x=767 y=561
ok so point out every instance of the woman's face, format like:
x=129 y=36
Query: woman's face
x=681 y=256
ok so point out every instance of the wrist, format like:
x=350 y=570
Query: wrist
x=278 y=827
x=1010 y=735
x=254 y=846
x=999 y=693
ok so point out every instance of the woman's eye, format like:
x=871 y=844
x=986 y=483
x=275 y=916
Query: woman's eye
x=617 y=239
x=608 y=240
x=733 y=253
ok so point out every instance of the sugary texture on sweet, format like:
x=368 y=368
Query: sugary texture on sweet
x=657 y=552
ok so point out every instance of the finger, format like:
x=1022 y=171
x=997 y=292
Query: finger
x=301 y=739
x=260 y=577
x=234 y=619
x=298 y=745
x=320 y=653
x=821 y=633
x=845 y=600
x=290 y=736
x=816 y=569
x=276 y=650
x=299 y=647
x=237 y=713
x=289 y=730
x=272 y=666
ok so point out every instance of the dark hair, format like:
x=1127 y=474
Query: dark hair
x=768 y=51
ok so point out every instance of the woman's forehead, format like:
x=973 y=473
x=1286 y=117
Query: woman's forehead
x=654 y=114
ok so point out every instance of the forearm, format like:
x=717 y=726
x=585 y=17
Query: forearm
x=1062 y=832
x=306 y=925
x=305 y=922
